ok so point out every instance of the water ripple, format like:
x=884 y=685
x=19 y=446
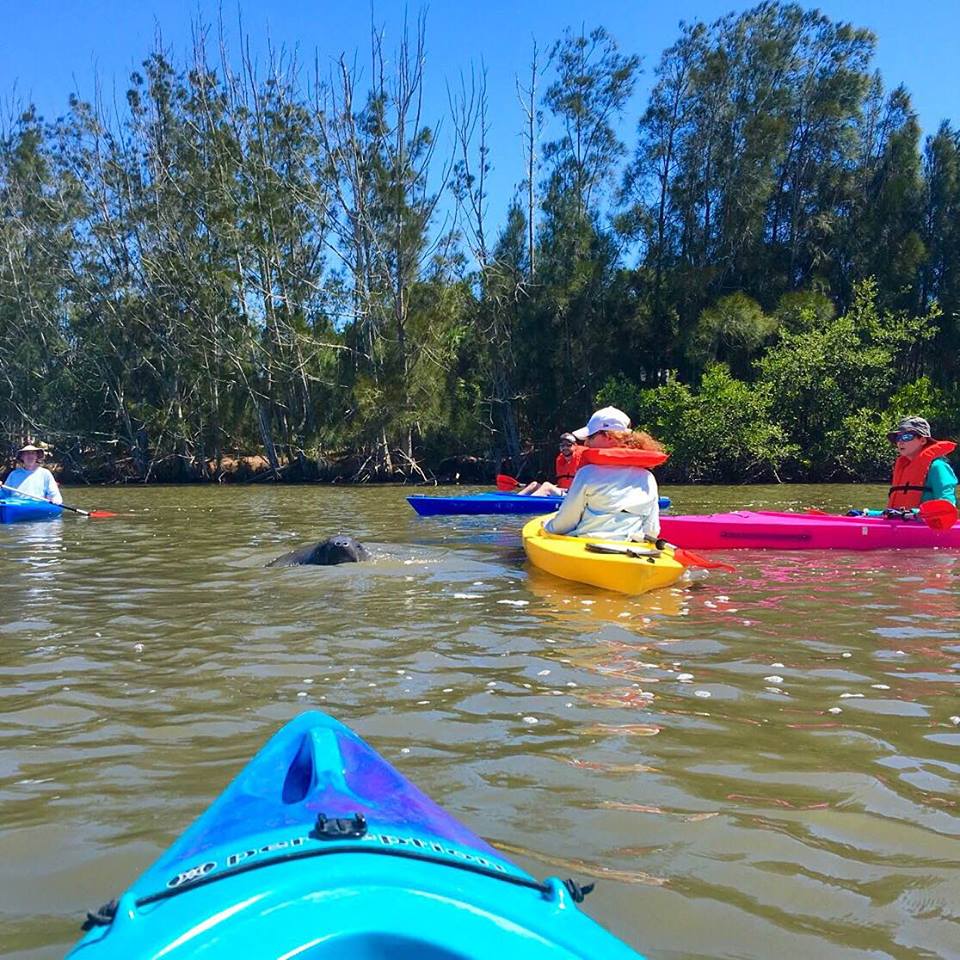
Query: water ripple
x=755 y=764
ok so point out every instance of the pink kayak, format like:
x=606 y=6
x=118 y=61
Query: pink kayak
x=768 y=530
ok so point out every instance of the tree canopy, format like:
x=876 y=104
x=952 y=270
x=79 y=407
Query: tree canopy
x=761 y=265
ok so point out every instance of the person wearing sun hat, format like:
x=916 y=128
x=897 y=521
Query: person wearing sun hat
x=31 y=478
x=921 y=471
x=614 y=495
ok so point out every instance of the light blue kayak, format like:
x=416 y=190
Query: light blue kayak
x=320 y=849
x=14 y=509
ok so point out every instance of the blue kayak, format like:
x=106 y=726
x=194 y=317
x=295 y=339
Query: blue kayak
x=320 y=849
x=14 y=508
x=493 y=502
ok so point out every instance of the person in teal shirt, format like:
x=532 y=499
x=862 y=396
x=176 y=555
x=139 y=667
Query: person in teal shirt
x=921 y=472
x=921 y=467
x=942 y=483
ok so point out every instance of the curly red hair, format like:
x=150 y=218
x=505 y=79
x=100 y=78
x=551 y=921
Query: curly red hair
x=635 y=440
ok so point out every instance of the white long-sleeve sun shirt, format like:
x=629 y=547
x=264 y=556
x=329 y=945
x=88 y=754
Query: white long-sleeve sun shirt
x=611 y=503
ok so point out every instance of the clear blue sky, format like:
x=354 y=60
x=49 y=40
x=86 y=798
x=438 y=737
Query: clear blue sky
x=50 y=49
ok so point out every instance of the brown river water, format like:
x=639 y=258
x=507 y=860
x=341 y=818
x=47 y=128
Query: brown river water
x=754 y=764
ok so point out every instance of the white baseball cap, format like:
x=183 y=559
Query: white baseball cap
x=609 y=418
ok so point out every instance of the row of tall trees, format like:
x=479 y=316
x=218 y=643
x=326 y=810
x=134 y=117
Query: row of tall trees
x=763 y=265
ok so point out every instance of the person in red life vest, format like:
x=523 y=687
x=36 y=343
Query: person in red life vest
x=568 y=460
x=614 y=495
x=920 y=472
x=567 y=463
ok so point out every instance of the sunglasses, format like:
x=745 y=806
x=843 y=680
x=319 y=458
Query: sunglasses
x=905 y=437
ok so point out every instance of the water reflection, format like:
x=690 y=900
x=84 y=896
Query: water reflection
x=584 y=605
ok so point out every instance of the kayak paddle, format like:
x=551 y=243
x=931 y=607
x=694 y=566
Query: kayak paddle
x=690 y=559
x=685 y=557
x=83 y=513
x=938 y=514
x=507 y=483
x=622 y=551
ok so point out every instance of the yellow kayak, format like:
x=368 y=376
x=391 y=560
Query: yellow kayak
x=610 y=564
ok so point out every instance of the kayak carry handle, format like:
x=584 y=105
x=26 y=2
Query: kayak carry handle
x=339 y=828
x=102 y=917
x=578 y=891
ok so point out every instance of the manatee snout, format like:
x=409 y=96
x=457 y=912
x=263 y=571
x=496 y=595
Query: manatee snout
x=340 y=549
x=327 y=553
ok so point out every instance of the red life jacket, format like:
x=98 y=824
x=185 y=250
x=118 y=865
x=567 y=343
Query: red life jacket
x=622 y=457
x=567 y=468
x=909 y=476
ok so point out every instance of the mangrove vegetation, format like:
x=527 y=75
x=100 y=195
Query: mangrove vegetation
x=761 y=264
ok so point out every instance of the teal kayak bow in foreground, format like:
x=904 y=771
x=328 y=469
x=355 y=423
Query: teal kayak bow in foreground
x=320 y=849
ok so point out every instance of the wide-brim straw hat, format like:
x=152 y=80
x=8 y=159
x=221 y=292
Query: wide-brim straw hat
x=32 y=448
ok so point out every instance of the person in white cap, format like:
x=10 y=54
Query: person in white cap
x=31 y=478
x=614 y=495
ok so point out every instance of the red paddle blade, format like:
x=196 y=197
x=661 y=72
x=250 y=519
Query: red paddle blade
x=938 y=514
x=102 y=513
x=689 y=559
x=507 y=483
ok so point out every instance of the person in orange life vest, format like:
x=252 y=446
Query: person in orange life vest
x=567 y=463
x=614 y=495
x=920 y=472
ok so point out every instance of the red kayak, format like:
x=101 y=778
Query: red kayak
x=769 y=530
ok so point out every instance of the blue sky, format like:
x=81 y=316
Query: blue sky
x=50 y=49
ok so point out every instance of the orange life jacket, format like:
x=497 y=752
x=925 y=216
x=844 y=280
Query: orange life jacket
x=909 y=476
x=622 y=457
x=567 y=468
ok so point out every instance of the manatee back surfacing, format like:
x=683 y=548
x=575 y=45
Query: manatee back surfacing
x=327 y=553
